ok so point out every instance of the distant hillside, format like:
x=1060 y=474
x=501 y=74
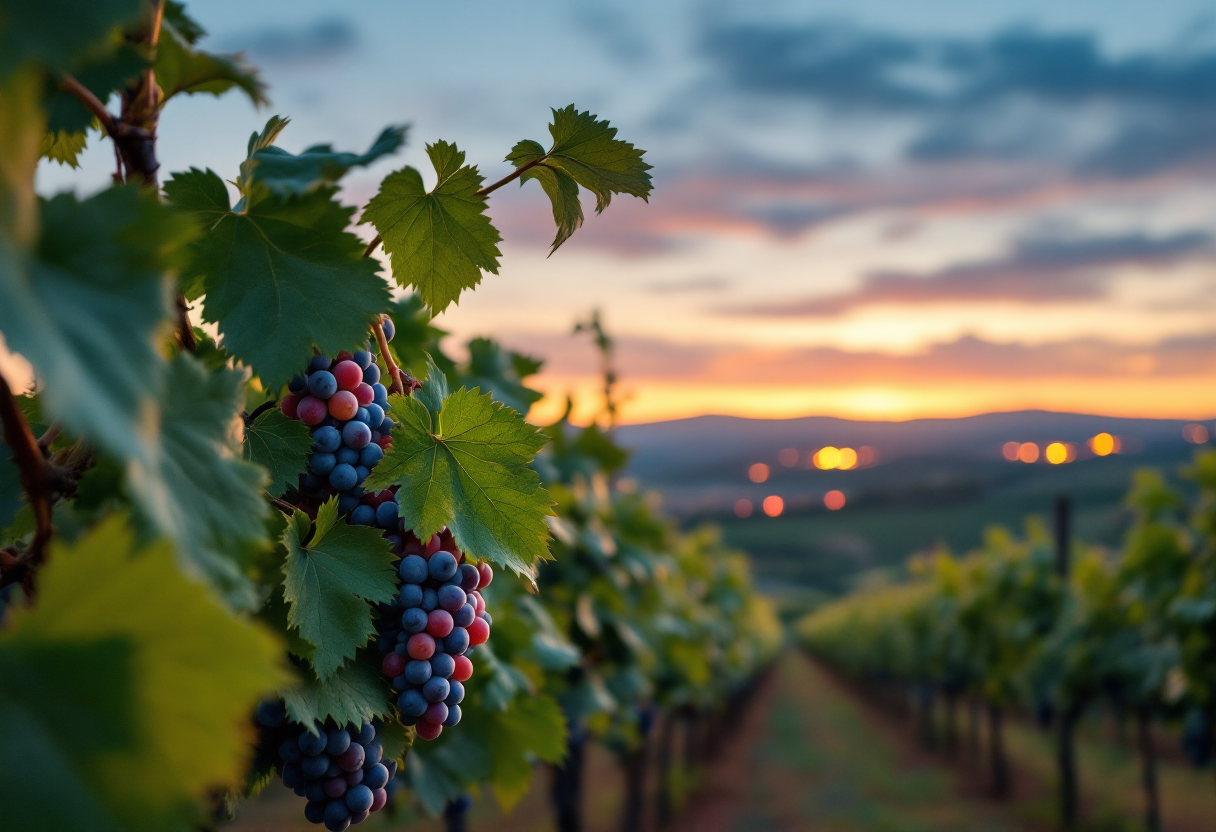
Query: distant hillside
x=936 y=482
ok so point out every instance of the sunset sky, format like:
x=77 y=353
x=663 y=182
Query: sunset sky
x=873 y=209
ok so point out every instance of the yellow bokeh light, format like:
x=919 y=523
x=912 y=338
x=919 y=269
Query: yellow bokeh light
x=1103 y=444
x=758 y=472
x=848 y=459
x=788 y=457
x=827 y=458
x=773 y=505
x=1057 y=453
x=1028 y=452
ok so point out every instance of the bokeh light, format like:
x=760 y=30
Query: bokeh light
x=866 y=456
x=758 y=472
x=773 y=505
x=1195 y=434
x=1010 y=450
x=788 y=457
x=1103 y=444
x=743 y=508
x=1028 y=452
x=834 y=500
x=848 y=459
x=1056 y=453
x=827 y=458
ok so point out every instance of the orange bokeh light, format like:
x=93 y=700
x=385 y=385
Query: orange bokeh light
x=788 y=457
x=866 y=455
x=773 y=505
x=1010 y=450
x=1057 y=453
x=1104 y=444
x=743 y=508
x=1195 y=434
x=758 y=472
x=827 y=458
x=848 y=459
x=1028 y=452
x=834 y=500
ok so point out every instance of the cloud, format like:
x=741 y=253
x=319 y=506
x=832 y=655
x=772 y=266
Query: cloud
x=1017 y=93
x=967 y=359
x=703 y=283
x=323 y=40
x=1036 y=270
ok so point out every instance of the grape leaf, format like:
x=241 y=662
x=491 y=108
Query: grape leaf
x=439 y=241
x=22 y=125
x=329 y=582
x=466 y=467
x=357 y=693
x=441 y=770
x=585 y=152
x=200 y=493
x=63 y=147
x=599 y=446
x=101 y=74
x=55 y=32
x=162 y=718
x=288 y=174
x=280 y=277
x=87 y=309
x=180 y=68
x=532 y=727
x=281 y=446
x=496 y=371
x=415 y=334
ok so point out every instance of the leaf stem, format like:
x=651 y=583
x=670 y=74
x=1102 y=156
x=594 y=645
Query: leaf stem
x=185 y=332
x=282 y=505
x=35 y=479
x=486 y=191
x=259 y=410
x=91 y=103
x=393 y=370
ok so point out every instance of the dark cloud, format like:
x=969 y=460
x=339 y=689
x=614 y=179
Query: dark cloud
x=1019 y=93
x=1036 y=270
x=323 y=40
x=967 y=359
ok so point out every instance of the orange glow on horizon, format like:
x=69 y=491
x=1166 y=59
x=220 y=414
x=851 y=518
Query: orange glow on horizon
x=773 y=505
x=654 y=400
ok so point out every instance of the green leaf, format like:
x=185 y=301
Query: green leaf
x=467 y=469
x=496 y=371
x=281 y=446
x=329 y=582
x=439 y=241
x=585 y=152
x=55 y=32
x=533 y=727
x=87 y=309
x=180 y=68
x=162 y=719
x=280 y=277
x=357 y=693
x=63 y=147
x=599 y=446
x=22 y=125
x=200 y=493
x=287 y=174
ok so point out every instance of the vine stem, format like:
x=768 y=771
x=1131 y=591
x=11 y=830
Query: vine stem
x=393 y=370
x=35 y=479
x=486 y=191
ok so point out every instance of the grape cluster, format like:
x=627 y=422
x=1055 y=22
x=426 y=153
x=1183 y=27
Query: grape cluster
x=339 y=770
x=427 y=631
x=344 y=403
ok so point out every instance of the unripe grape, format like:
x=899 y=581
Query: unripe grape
x=422 y=645
x=311 y=410
x=464 y=669
x=487 y=575
x=289 y=404
x=365 y=394
x=348 y=375
x=479 y=632
x=439 y=623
